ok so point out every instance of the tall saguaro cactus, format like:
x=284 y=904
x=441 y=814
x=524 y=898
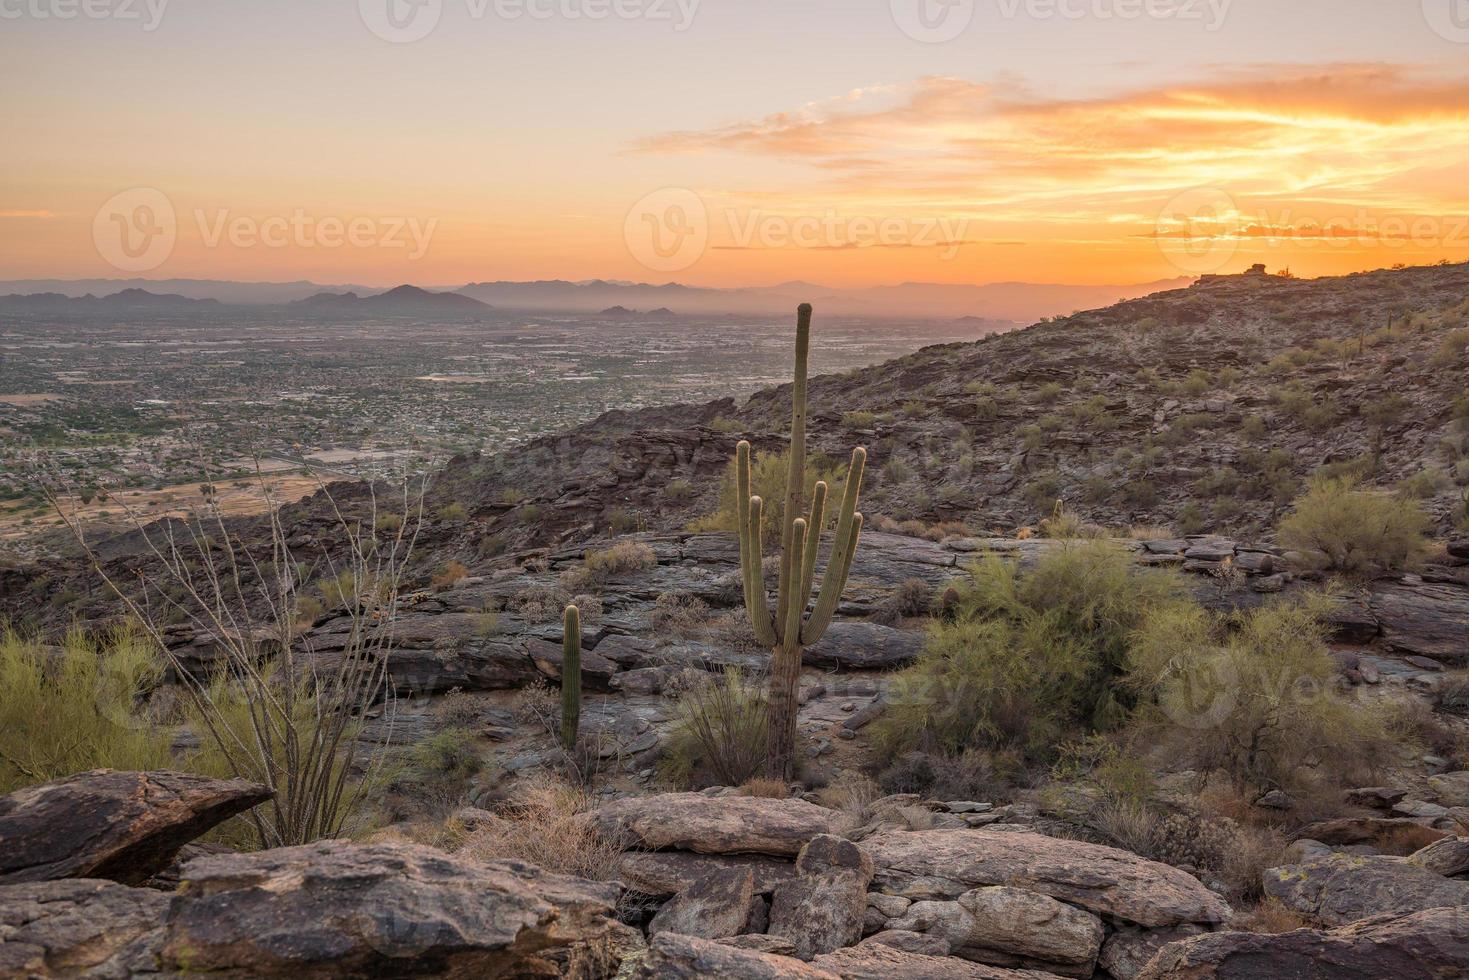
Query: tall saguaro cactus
x=792 y=629
x=570 y=677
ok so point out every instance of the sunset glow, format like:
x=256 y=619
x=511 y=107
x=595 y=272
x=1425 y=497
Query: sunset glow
x=522 y=148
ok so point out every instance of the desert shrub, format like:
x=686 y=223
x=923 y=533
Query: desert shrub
x=1421 y=485
x=1049 y=392
x=678 y=491
x=76 y=708
x=1253 y=428
x=719 y=733
x=452 y=512
x=1452 y=694
x=543 y=825
x=1063 y=523
x=1042 y=492
x=859 y=419
x=540 y=603
x=727 y=426
x=439 y=768
x=1453 y=347
x=986 y=409
x=678 y=614
x=968 y=775
x=768 y=474
x=1356 y=532
x=451 y=574
x=770 y=789
x=1026 y=657
x=911 y=598
x=388 y=523
x=599 y=566
x=1268 y=917
x=1251 y=694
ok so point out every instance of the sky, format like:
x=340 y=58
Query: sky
x=730 y=142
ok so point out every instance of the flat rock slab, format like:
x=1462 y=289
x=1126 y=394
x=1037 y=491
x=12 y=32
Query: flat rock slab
x=714 y=825
x=660 y=873
x=674 y=957
x=336 y=908
x=80 y=927
x=122 y=826
x=944 y=864
x=1429 y=945
x=1428 y=619
x=864 y=646
x=879 y=961
x=1341 y=888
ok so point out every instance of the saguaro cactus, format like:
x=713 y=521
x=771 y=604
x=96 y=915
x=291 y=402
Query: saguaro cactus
x=791 y=629
x=570 y=677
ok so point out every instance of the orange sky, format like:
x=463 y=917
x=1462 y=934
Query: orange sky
x=761 y=142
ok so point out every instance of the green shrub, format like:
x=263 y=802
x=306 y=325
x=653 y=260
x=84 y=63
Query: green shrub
x=768 y=474
x=727 y=426
x=76 y=708
x=1253 y=428
x=719 y=734
x=452 y=512
x=860 y=419
x=440 y=767
x=1356 y=532
x=1027 y=657
x=1251 y=694
x=1049 y=392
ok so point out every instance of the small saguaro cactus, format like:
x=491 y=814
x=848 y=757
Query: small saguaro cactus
x=570 y=677
x=791 y=630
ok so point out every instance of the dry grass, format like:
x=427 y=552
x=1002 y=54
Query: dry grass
x=1268 y=917
x=545 y=826
x=770 y=789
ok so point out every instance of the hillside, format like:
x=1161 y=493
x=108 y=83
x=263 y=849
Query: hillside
x=1205 y=408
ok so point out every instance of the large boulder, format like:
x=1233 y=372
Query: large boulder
x=1428 y=619
x=1390 y=835
x=1342 y=888
x=79 y=927
x=823 y=907
x=1428 y=945
x=674 y=957
x=122 y=826
x=1447 y=857
x=1011 y=927
x=880 y=961
x=864 y=646
x=944 y=864
x=714 y=825
x=439 y=652
x=660 y=873
x=712 y=907
x=334 y=908
x=1128 y=951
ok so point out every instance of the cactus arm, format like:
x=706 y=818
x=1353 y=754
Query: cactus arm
x=758 y=606
x=843 y=546
x=791 y=628
x=813 y=545
x=748 y=556
x=796 y=472
x=826 y=608
x=570 y=677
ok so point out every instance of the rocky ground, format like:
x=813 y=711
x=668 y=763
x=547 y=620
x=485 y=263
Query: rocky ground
x=1174 y=412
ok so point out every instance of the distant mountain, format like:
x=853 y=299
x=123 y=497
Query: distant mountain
x=125 y=301
x=403 y=300
x=242 y=293
x=1008 y=303
x=618 y=311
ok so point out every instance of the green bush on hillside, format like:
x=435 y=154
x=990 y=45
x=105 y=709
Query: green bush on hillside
x=1356 y=532
x=768 y=474
x=1027 y=658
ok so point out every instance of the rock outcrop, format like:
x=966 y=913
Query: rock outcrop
x=822 y=908
x=1343 y=888
x=944 y=864
x=80 y=927
x=122 y=826
x=715 y=906
x=714 y=825
x=1428 y=945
